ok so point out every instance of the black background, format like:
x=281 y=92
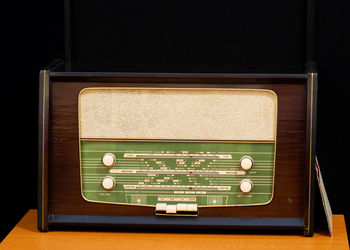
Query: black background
x=32 y=35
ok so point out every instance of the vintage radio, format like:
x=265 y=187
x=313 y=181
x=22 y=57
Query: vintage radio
x=190 y=150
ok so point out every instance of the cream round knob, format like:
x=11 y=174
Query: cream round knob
x=246 y=186
x=108 y=160
x=246 y=163
x=108 y=183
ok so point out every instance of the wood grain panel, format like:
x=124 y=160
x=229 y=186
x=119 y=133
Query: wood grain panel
x=64 y=176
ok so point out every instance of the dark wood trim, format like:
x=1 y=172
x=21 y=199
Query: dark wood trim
x=43 y=150
x=71 y=75
x=310 y=152
x=43 y=142
x=178 y=78
x=40 y=149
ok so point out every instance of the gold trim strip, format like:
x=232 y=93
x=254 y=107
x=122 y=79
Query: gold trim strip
x=310 y=157
x=182 y=88
x=43 y=154
x=175 y=140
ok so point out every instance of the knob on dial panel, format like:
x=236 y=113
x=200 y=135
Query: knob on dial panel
x=246 y=163
x=108 y=183
x=108 y=160
x=246 y=186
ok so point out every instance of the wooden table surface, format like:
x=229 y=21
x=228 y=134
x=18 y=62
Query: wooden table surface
x=26 y=236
